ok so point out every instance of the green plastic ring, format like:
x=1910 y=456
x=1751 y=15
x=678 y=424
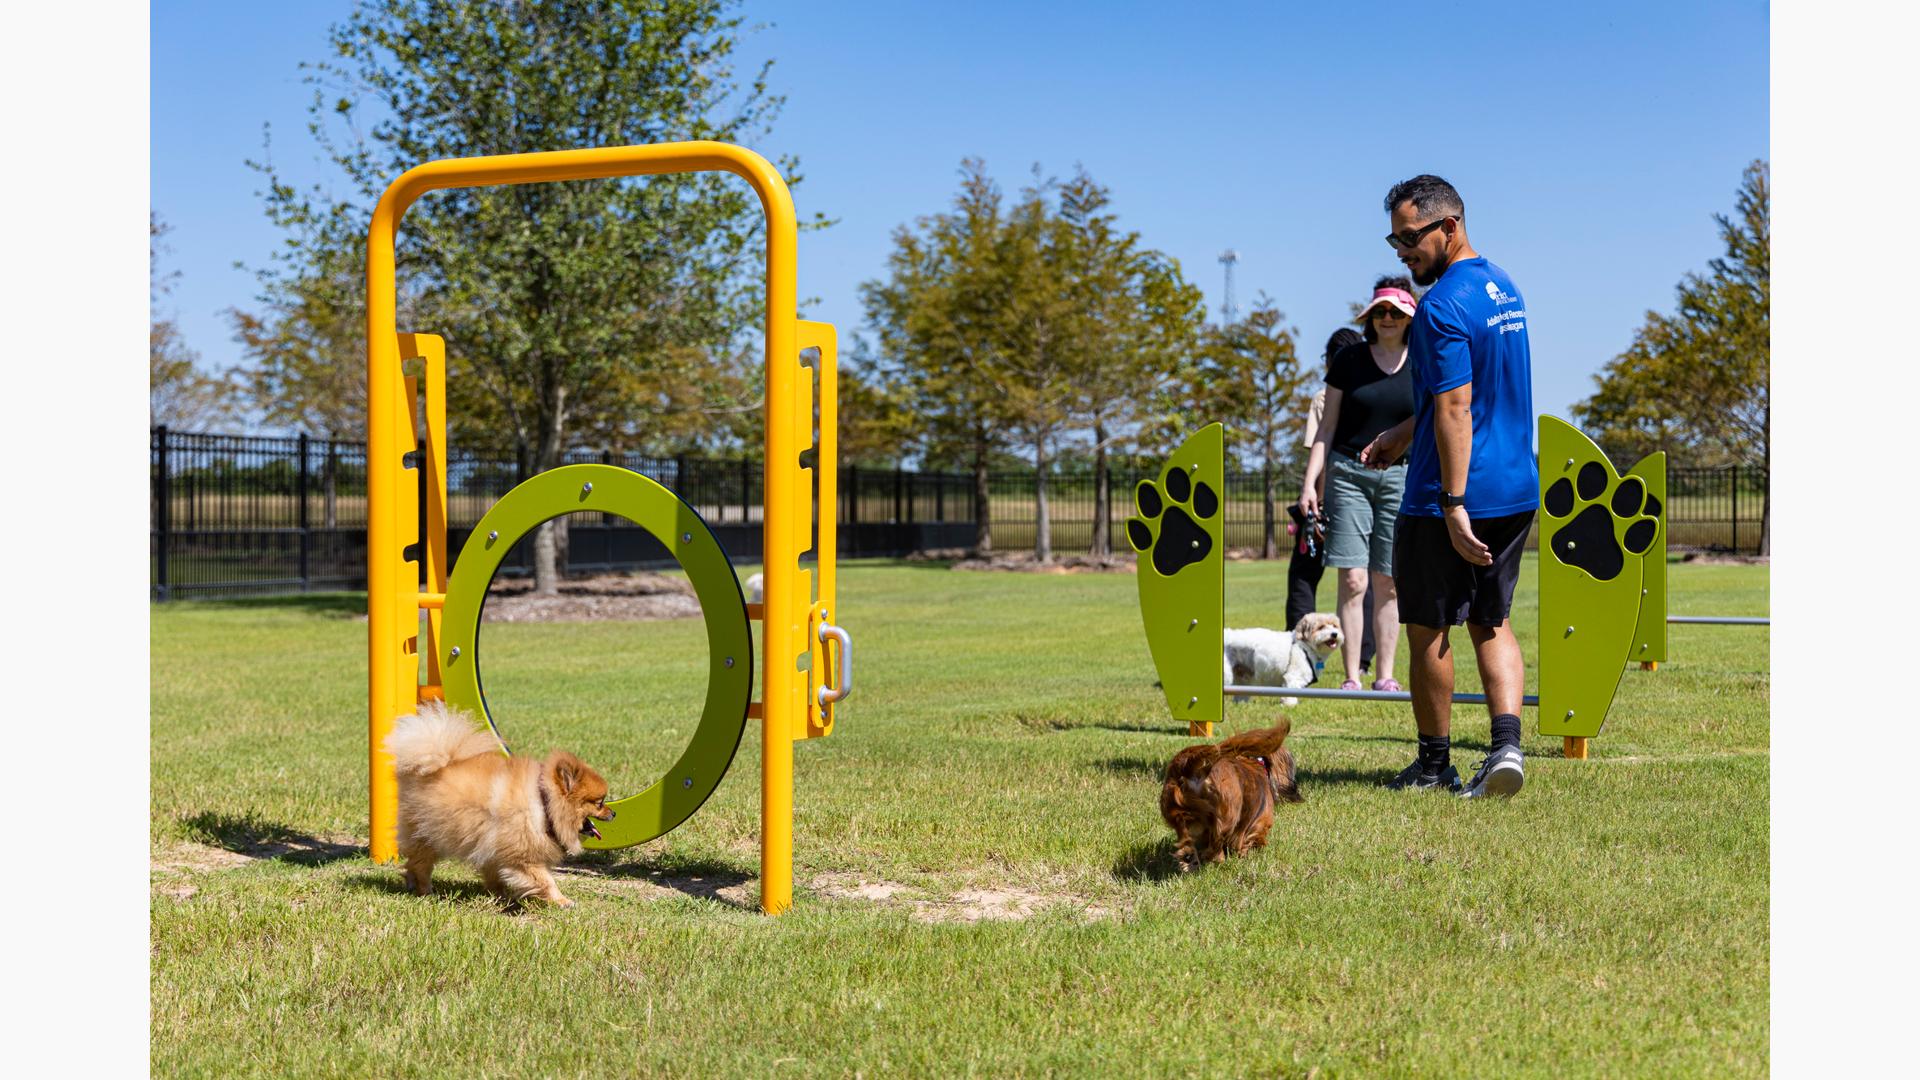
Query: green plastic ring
x=607 y=489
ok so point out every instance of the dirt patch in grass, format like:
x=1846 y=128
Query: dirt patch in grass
x=642 y=596
x=966 y=906
x=635 y=597
x=189 y=858
x=1722 y=558
x=1024 y=562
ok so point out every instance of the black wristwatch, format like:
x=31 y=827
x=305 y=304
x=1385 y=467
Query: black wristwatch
x=1448 y=501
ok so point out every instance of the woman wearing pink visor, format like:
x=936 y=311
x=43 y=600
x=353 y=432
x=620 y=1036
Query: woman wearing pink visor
x=1369 y=389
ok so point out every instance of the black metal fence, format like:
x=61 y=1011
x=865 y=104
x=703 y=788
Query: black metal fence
x=240 y=514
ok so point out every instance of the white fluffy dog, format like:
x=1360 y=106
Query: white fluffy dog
x=756 y=587
x=1260 y=657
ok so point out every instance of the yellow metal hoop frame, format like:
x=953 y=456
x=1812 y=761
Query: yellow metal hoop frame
x=405 y=414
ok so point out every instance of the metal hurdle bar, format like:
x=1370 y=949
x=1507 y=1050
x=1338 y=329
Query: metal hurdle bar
x=1303 y=692
x=1720 y=620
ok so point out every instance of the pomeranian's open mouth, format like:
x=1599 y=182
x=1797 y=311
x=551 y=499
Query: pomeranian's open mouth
x=587 y=829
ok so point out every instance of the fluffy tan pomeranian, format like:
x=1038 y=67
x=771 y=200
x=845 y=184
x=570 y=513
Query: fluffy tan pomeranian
x=510 y=818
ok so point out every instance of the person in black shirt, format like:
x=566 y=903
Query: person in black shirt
x=1305 y=565
x=1369 y=390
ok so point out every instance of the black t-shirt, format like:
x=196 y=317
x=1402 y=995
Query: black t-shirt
x=1371 y=401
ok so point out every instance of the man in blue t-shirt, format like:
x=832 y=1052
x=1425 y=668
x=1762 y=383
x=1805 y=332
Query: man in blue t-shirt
x=1472 y=482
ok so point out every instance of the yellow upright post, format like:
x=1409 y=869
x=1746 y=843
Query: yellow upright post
x=394 y=599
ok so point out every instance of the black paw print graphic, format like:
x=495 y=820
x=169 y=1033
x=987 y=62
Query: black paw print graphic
x=1588 y=541
x=1179 y=541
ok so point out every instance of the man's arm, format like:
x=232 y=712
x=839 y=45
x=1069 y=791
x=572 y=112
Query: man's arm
x=1453 y=437
x=1386 y=447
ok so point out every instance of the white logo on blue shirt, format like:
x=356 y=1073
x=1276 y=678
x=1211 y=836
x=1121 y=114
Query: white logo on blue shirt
x=1494 y=294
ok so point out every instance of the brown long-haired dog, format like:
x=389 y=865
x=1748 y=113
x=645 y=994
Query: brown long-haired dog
x=1218 y=797
x=511 y=818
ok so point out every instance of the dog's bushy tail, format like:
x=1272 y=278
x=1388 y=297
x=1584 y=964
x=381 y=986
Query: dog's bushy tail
x=1269 y=743
x=1262 y=743
x=435 y=737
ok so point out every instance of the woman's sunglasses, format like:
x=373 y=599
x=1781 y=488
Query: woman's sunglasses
x=1387 y=311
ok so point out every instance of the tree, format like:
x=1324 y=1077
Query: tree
x=1021 y=326
x=1252 y=379
x=941 y=323
x=179 y=394
x=1695 y=383
x=558 y=301
x=1141 y=322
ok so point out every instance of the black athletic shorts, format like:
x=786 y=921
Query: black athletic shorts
x=1439 y=589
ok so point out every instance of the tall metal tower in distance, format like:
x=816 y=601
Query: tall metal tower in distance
x=1228 y=309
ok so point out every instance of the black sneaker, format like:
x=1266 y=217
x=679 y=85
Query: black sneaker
x=1418 y=777
x=1501 y=773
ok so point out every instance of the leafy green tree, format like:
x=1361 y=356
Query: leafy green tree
x=1251 y=378
x=179 y=394
x=1140 y=323
x=941 y=323
x=1026 y=325
x=557 y=300
x=1695 y=382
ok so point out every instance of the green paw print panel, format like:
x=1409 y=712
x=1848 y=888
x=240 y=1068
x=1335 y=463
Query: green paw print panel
x=1650 y=636
x=1182 y=573
x=1596 y=532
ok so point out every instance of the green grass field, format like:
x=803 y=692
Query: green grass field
x=984 y=886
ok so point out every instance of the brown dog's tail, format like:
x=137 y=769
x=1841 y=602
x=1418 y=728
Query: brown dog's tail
x=1269 y=743
x=1263 y=743
x=435 y=737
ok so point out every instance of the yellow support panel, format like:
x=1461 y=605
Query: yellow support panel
x=820 y=429
x=427 y=393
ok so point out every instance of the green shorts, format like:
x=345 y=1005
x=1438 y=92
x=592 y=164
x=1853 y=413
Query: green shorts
x=1363 y=505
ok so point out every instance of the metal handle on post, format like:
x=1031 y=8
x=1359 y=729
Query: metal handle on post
x=844 y=684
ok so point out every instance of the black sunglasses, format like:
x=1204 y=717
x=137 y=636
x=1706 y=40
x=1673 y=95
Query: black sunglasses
x=1407 y=240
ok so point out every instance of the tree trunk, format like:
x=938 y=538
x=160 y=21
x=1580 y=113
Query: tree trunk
x=1766 y=481
x=1042 y=518
x=548 y=564
x=331 y=479
x=1269 y=549
x=1102 y=543
x=982 y=508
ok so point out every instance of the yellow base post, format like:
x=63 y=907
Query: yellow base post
x=1649 y=665
x=1574 y=746
x=1200 y=729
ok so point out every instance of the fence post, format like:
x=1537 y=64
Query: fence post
x=910 y=493
x=898 y=515
x=1734 y=475
x=300 y=495
x=746 y=487
x=940 y=497
x=163 y=512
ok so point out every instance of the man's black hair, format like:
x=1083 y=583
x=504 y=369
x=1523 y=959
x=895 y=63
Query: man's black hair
x=1431 y=196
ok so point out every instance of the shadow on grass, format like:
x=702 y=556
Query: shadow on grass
x=342 y=605
x=1466 y=746
x=702 y=879
x=1139 y=768
x=1148 y=861
x=389 y=881
x=257 y=839
x=1313 y=778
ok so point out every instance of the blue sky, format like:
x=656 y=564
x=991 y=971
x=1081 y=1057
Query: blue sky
x=1592 y=143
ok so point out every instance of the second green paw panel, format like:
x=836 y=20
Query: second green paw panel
x=1597 y=530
